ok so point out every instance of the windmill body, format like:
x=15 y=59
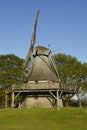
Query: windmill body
x=42 y=76
x=41 y=68
x=41 y=79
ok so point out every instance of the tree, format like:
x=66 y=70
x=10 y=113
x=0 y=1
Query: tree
x=10 y=70
x=71 y=72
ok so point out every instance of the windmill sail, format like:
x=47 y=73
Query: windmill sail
x=28 y=57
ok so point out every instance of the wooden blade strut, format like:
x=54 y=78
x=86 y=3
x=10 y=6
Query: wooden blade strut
x=33 y=39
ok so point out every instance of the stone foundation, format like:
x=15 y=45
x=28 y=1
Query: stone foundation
x=40 y=102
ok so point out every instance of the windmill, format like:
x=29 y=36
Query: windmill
x=43 y=67
x=42 y=76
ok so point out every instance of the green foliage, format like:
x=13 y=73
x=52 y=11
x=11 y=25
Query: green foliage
x=71 y=71
x=10 y=70
x=74 y=103
x=43 y=119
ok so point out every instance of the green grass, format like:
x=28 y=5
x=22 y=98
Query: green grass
x=43 y=119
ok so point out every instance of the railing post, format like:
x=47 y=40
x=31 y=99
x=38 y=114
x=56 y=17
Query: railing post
x=57 y=101
x=12 y=105
x=6 y=101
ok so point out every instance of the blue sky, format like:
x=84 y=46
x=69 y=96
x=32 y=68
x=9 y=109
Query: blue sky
x=62 y=24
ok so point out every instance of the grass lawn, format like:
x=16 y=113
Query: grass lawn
x=43 y=119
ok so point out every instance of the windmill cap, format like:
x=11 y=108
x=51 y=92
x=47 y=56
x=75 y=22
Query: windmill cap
x=40 y=50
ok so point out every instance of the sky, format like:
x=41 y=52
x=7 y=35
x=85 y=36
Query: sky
x=61 y=23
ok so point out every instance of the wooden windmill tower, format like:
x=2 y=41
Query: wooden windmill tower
x=42 y=79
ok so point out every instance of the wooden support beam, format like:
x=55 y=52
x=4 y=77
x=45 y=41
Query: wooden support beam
x=53 y=95
x=12 y=105
x=57 y=101
x=6 y=101
x=71 y=95
x=79 y=100
x=60 y=94
x=17 y=95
